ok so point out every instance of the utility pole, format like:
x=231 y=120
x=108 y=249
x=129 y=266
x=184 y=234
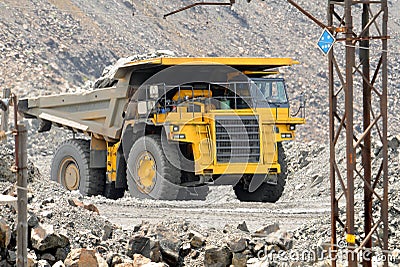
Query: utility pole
x=346 y=73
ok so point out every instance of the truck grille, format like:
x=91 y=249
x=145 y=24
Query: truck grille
x=237 y=139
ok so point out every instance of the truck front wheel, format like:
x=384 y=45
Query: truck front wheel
x=70 y=167
x=152 y=169
x=266 y=192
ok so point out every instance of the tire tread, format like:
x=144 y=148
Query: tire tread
x=92 y=184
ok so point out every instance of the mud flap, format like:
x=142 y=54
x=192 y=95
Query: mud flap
x=257 y=180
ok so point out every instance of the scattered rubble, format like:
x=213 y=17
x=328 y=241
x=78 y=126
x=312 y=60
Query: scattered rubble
x=66 y=228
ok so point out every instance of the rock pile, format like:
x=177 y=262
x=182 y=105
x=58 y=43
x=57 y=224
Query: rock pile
x=65 y=228
x=59 y=238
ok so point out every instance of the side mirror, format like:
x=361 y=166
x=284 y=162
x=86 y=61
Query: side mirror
x=302 y=100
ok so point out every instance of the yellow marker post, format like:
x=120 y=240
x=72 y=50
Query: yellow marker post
x=350 y=238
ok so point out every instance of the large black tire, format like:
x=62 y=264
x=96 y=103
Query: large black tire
x=71 y=168
x=266 y=192
x=164 y=160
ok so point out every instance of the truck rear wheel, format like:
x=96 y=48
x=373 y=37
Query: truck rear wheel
x=266 y=192
x=70 y=167
x=150 y=172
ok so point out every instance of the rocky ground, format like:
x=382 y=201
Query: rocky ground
x=64 y=225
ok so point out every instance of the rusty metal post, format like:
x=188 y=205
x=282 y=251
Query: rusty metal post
x=332 y=110
x=350 y=155
x=22 y=183
x=385 y=202
x=366 y=149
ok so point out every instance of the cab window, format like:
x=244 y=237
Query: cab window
x=273 y=90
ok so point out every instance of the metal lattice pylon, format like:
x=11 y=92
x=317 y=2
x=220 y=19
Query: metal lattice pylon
x=350 y=80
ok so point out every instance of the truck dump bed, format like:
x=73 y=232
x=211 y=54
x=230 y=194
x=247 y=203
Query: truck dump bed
x=98 y=111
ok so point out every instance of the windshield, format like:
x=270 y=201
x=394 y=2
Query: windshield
x=273 y=90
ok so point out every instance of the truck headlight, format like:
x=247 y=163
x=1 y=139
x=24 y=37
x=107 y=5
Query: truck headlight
x=179 y=136
x=286 y=135
x=292 y=127
x=175 y=128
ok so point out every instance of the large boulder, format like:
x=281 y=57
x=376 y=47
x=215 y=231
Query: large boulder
x=84 y=257
x=237 y=245
x=170 y=244
x=139 y=244
x=197 y=240
x=155 y=253
x=170 y=247
x=268 y=229
x=43 y=238
x=140 y=261
x=217 y=256
x=239 y=260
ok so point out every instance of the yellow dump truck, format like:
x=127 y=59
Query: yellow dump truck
x=167 y=128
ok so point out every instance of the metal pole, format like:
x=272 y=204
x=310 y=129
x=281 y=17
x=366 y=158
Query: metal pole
x=366 y=148
x=332 y=110
x=350 y=155
x=22 y=182
x=385 y=203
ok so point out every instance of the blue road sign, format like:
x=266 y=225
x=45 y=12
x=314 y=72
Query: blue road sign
x=326 y=41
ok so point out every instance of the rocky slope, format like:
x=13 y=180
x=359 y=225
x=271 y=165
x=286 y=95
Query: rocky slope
x=55 y=46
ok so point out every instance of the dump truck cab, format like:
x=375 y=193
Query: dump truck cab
x=167 y=128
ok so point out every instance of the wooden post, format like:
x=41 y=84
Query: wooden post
x=22 y=183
